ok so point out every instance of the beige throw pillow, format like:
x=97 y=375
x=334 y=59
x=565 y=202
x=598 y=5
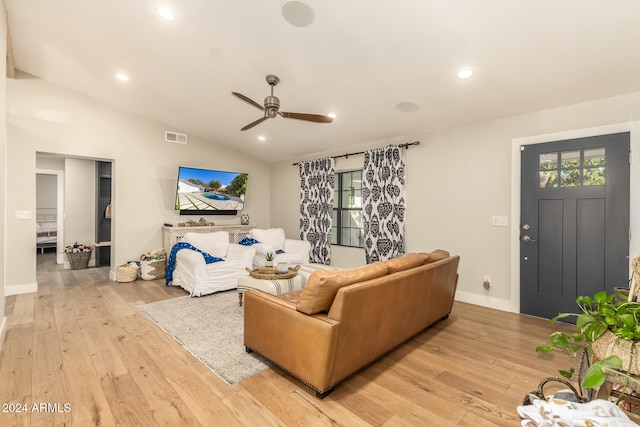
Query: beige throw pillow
x=323 y=285
x=404 y=262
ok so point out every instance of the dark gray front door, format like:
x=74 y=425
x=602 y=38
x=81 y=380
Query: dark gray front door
x=574 y=225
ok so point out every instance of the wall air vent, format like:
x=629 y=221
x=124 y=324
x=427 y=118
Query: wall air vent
x=178 y=138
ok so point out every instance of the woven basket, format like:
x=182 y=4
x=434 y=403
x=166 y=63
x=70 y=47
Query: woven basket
x=151 y=270
x=269 y=273
x=79 y=260
x=127 y=273
x=609 y=344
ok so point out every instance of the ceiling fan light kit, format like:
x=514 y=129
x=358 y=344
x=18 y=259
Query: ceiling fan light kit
x=271 y=107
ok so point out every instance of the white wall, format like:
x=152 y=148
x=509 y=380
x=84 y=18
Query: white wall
x=43 y=117
x=46 y=187
x=457 y=179
x=80 y=203
x=3 y=161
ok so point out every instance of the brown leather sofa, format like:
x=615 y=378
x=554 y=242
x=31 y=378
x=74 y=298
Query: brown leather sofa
x=345 y=319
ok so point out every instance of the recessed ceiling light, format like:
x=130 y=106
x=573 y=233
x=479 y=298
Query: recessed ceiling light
x=262 y=138
x=332 y=115
x=297 y=13
x=407 y=106
x=166 y=13
x=464 y=73
x=123 y=77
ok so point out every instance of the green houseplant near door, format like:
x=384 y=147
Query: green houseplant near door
x=607 y=331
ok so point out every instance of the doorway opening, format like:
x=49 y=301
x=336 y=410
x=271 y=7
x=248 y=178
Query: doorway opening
x=74 y=204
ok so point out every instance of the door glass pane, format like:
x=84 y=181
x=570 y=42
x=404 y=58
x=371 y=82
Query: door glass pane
x=594 y=157
x=594 y=176
x=570 y=159
x=548 y=179
x=548 y=161
x=570 y=177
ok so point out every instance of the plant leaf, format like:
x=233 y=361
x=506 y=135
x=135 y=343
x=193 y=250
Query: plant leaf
x=593 y=377
x=567 y=374
x=627 y=320
x=544 y=349
x=594 y=330
x=600 y=297
x=611 y=362
x=559 y=339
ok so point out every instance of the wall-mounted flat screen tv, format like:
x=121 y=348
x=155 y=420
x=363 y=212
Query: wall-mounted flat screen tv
x=210 y=192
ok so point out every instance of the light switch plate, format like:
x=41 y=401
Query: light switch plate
x=500 y=221
x=23 y=214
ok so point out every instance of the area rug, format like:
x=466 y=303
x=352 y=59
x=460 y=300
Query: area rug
x=211 y=328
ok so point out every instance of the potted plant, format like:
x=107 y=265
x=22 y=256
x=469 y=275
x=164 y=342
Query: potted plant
x=607 y=329
x=268 y=259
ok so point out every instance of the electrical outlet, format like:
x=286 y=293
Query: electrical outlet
x=486 y=282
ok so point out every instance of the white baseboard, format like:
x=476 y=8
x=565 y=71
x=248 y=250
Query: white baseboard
x=3 y=331
x=112 y=275
x=20 y=289
x=484 y=301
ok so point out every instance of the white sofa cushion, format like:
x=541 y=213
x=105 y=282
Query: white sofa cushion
x=273 y=236
x=215 y=244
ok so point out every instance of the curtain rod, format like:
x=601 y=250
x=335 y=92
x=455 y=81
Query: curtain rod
x=405 y=145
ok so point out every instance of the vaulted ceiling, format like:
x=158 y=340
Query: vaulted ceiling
x=385 y=68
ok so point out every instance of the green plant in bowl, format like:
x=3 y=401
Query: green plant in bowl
x=599 y=314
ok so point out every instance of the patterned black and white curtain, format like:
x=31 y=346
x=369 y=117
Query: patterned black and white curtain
x=383 y=203
x=316 y=207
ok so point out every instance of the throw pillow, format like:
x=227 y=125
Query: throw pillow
x=434 y=256
x=323 y=285
x=404 y=262
x=273 y=236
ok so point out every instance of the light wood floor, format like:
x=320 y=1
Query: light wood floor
x=81 y=341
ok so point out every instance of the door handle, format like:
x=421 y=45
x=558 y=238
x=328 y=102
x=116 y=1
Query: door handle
x=527 y=239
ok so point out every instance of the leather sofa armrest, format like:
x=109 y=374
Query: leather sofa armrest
x=241 y=253
x=301 y=344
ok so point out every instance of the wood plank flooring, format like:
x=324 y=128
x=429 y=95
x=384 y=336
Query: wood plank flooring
x=78 y=352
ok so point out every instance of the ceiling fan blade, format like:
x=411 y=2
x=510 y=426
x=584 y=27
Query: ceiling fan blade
x=318 y=118
x=252 y=124
x=249 y=100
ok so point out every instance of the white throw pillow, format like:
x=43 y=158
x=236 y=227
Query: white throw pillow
x=272 y=236
x=215 y=244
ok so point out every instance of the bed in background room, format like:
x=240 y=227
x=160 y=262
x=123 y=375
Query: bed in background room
x=46 y=228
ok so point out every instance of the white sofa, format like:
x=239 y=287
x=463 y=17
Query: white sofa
x=199 y=278
x=273 y=240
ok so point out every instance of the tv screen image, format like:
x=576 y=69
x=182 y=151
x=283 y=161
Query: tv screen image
x=210 y=192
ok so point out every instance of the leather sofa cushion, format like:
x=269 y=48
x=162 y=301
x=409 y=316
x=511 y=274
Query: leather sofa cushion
x=404 y=262
x=323 y=285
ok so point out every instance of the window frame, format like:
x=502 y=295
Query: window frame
x=339 y=209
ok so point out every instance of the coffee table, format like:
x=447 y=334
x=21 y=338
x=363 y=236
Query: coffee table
x=279 y=286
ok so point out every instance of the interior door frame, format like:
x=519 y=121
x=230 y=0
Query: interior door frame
x=634 y=203
x=59 y=174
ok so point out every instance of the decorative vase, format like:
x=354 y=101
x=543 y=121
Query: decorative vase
x=244 y=218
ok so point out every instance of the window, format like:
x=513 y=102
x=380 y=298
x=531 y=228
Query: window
x=574 y=168
x=346 y=229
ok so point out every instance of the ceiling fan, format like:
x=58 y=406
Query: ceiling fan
x=272 y=108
